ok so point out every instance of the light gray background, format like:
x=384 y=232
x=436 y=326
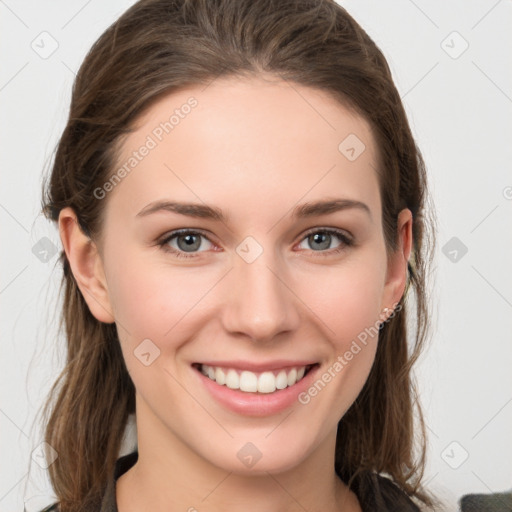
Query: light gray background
x=459 y=105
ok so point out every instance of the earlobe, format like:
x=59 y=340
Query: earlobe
x=396 y=278
x=86 y=265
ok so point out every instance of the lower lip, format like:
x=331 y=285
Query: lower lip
x=257 y=404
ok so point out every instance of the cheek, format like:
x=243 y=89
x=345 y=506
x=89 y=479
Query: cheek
x=161 y=304
x=358 y=305
x=155 y=300
x=347 y=299
x=158 y=300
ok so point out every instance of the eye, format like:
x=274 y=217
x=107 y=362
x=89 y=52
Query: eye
x=187 y=241
x=322 y=238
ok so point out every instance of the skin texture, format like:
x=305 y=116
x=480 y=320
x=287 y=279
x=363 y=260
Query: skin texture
x=256 y=148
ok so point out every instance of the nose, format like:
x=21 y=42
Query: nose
x=260 y=303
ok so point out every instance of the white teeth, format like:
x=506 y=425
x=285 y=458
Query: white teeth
x=266 y=383
x=248 y=381
x=220 y=376
x=282 y=380
x=251 y=382
x=292 y=377
x=232 y=379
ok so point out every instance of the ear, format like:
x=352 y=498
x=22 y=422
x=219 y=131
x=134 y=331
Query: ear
x=86 y=265
x=396 y=277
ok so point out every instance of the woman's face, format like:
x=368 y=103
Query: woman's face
x=263 y=279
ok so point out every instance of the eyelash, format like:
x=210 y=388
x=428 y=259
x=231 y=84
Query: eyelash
x=346 y=241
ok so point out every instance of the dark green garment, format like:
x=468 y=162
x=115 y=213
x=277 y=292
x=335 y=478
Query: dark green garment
x=375 y=492
x=496 y=502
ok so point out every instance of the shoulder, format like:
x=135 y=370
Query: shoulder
x=107 y=499
x=378 y=493
x=51 y=508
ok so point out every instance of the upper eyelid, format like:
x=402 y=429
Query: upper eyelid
x=338 y=231
x=185 y=231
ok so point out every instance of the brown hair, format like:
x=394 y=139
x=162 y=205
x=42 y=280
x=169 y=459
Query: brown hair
x=158 y=47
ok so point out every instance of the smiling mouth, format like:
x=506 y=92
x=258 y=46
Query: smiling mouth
x=255 y=382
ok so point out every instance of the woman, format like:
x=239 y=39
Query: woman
x=211 y=145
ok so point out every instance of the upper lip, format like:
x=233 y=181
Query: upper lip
x=251 y=366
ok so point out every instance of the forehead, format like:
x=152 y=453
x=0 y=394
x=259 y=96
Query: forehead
x=251 y=144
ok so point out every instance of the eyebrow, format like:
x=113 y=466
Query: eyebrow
x=204 y=211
